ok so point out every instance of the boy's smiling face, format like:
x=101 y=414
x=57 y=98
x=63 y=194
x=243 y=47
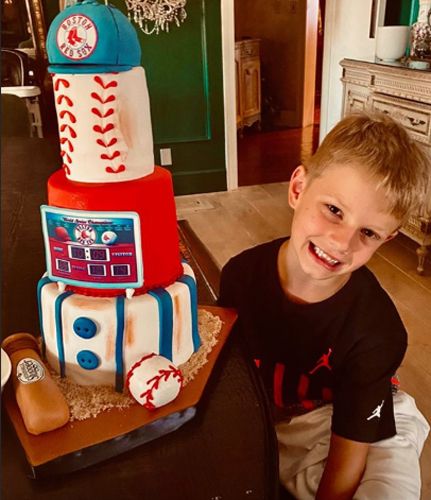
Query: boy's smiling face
x=340 y=220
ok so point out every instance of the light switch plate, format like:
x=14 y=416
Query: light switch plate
x=165 y=156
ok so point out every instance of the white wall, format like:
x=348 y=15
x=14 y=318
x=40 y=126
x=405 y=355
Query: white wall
x=346 y=34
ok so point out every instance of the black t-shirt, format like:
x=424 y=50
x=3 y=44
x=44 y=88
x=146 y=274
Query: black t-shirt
x=344 y=349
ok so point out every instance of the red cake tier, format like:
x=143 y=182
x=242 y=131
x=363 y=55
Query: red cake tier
x=152 y=198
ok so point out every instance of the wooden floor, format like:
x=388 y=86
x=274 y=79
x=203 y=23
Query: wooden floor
x=229 y=222
x=271 y=156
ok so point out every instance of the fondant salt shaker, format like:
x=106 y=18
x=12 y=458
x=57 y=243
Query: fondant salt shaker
x=43 y=406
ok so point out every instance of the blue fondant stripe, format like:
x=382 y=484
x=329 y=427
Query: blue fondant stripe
x=42 y=282
x=191 y=283
x=59 y=331
x=166 y=321
x=119 y=343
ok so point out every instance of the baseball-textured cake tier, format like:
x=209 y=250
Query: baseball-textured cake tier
x=99 y=249
x=95 y=340
x=104 y=125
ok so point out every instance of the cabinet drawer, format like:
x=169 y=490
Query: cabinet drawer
x=355 y=98
x=415 y=117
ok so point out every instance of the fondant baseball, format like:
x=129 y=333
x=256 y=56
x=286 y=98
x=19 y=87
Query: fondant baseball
x=154 y=381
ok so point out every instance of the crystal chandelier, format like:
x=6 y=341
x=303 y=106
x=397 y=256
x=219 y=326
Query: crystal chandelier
x=155 y=15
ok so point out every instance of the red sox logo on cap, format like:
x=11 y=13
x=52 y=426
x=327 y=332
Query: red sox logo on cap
x=77 y=37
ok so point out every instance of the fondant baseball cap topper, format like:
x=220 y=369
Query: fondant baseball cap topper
x=92 y=37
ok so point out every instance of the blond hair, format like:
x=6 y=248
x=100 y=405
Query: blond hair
x=378 y=143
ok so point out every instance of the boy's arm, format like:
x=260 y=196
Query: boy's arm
x=344 y=469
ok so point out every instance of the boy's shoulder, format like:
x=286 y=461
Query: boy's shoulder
x=252 y=265
x=372 y=301
x=258 y=253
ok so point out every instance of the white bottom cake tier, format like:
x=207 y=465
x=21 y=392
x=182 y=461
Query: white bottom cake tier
x=96 y=340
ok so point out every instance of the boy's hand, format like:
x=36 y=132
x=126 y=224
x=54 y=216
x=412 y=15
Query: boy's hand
x=344 y=468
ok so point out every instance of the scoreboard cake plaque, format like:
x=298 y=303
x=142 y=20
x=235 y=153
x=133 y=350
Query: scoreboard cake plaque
x=93 y=249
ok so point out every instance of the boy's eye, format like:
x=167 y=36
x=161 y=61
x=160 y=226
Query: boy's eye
x=368 y=233
x=334 y=210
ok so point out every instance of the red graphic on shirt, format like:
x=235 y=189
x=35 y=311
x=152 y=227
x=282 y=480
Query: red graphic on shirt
x=304 y=382
x=322 y=362
x=303 y=387
x=278 y=384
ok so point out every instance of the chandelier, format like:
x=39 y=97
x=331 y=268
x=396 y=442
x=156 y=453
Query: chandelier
x=155 y=15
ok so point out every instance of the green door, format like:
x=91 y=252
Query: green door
x=184 y=76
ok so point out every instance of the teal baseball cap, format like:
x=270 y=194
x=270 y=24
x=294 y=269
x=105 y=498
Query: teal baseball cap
x=92 y=37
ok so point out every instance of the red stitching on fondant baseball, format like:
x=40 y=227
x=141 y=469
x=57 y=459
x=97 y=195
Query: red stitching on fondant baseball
x=109 y=144
x=66 y=169
x=103 y=130
x=155 y=381
x=61 y=81
x=96 y=96
x=111 y=170
x=114 y=155
x=65 y=113
x=104 y=85
x=98 y=113
x=66 y=127
x=64 y=97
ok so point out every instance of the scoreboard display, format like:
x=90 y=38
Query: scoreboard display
x=93 y=249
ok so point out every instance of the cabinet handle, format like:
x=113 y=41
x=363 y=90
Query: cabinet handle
x=415 y=121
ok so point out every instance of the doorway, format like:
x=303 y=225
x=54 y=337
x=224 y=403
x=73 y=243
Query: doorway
x=290 y=39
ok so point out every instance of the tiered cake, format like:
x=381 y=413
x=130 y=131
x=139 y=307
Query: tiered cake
x=116 y=290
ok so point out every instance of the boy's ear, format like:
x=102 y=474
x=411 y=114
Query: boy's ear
x=297 y=185
x=392 y=235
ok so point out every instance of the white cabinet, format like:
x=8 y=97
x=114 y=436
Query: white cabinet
x=404 y=94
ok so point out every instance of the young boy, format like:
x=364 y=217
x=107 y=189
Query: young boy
x=320 y=327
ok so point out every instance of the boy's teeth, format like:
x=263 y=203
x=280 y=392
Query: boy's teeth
x=320 y=253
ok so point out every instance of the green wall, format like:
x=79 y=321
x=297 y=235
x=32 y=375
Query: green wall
x=184 y=76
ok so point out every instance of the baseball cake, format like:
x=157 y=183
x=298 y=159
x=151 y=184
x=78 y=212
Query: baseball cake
x=117 y=305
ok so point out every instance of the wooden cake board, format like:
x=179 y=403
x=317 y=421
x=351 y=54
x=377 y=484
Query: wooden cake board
x=80 y=444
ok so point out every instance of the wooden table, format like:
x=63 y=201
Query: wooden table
x=227 y=451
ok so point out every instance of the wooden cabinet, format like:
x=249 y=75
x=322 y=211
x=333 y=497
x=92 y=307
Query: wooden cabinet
x=248 y=90
x=404 y=94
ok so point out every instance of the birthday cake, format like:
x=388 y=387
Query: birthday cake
x=117 y=305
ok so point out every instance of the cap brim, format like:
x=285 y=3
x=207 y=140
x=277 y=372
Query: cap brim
x=88 y=68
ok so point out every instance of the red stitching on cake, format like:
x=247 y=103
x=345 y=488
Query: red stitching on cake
x=65 y=140
x=162 y=375
x=101 y=142
x=60 y=81
x=111 y=170
x=63 y=97
x=114 y=155
x=107 y=113
x=103 y=130
x=65 y=113
x=110 y=98
x=65 y=156
x=66 y=127
x=102 y=111
x=104 y=85
x=66 y=131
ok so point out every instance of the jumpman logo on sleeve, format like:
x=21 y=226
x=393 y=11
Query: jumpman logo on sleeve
x=376 y=412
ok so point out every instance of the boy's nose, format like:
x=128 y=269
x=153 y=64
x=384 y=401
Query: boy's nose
x=343 y=239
